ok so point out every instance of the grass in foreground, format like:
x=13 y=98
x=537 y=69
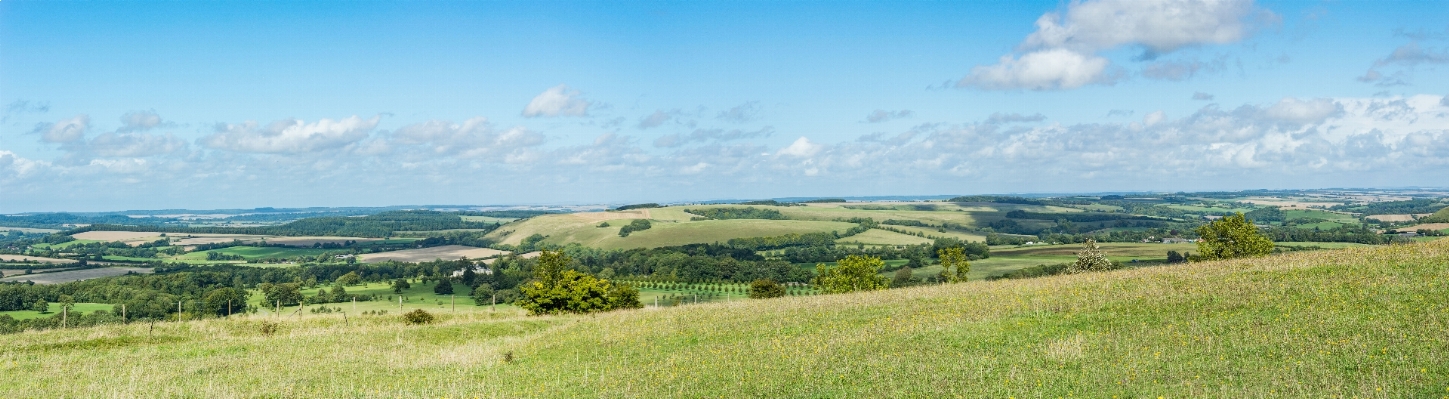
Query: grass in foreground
x=1365 y=322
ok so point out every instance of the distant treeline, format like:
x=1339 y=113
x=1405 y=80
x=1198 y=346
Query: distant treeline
x=737 y=213
x=376 y=226
x=1356 y=234
x=997 y=199
x=637 y=206
x=1082 y=217
x=519 y=214
x=1394 y=207
x=59 y=220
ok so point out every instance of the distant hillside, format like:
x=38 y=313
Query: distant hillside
x=1365 y=322
x=1442 y=216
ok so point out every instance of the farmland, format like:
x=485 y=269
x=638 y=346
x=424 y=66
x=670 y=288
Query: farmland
x=1282 y=325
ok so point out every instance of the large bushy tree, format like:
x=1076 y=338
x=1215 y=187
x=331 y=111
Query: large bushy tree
x=854 y=273
x=557 y=289
x=1231 y=237
x=766 y=288
x=220 y=301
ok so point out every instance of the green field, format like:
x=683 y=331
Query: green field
x=253 y=253
x=64 y=244
x=54 y=309
x=1359 y=322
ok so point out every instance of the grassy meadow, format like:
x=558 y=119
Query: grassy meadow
x=1356 y=322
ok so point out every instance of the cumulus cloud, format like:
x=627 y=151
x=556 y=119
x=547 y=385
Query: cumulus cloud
x=1298 y=111
x=802 y=147
x=1200 y=96
x=881 y=115
x=472 y=138
x=742 y=113
x=1063 y=51
x=1000 y=118
x=290 y=136
x=557 y=101
x=707 y=135
x=140 y=121
x=1040 y=70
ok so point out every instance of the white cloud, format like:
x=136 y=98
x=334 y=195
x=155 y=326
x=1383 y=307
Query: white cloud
x=13 y=166
x=557 y=101
x=1063 y=52
x=802 y=147
x=1040 y=70
x=290 y=136
x=1303 y=111
x=64 y=131
x=881 y=115
x=473 y=138
x=139 y=121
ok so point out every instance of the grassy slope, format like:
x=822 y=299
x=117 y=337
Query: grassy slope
x=1365 y=322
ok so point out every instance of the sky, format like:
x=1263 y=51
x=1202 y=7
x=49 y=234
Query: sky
x=222 y=104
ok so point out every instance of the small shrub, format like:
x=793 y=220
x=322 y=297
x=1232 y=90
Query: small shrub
x=269 y=328
x=508 y=357
x=418 y=317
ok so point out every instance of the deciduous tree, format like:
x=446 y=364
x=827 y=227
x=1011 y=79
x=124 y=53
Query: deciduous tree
x=1231 y=237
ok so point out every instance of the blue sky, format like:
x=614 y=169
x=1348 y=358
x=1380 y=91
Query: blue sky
x=145 y=105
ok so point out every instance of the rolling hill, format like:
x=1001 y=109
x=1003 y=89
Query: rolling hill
x=1365 y=322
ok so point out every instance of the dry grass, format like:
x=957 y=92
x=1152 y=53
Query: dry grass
x=22 y=258
x=445 y=252
x=1361 y=322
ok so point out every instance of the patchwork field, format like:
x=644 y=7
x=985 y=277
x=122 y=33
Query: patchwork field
x=445 y=252
x=882 y=237
x=77 y=275
x=708 y=231
x=1363 y=322
x=23 y=258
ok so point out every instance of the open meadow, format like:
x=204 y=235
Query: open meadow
x=1364 y=322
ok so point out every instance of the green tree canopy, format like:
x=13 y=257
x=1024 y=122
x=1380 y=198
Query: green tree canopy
x=351 y=278
x=557 y=289
x=217 y=300
x=766 y=288
x=954 y=265
x=854 y=273
x=1231 y=237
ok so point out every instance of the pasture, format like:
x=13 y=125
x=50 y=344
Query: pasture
x=54 y=308
x=1360 y=322
x=252 y=253
x=445 y=252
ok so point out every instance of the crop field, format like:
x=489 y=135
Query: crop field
x=64 y=244
x=77 y=275
x=445 y=252
x=80 y=307
x=487 y=219
x=680 y=233
x=22 y=258
x=1362 y=322
x=883 y=237
x=252 y=253
x=5 y=229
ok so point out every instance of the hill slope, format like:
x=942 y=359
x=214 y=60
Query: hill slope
x=1365 y=322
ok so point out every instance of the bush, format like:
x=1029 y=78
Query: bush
x=269 y=328
x=854 y=273
x=766 y=288
x=1231 y=237
x=418 y=316
x=556 y=290
x=636 y=225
